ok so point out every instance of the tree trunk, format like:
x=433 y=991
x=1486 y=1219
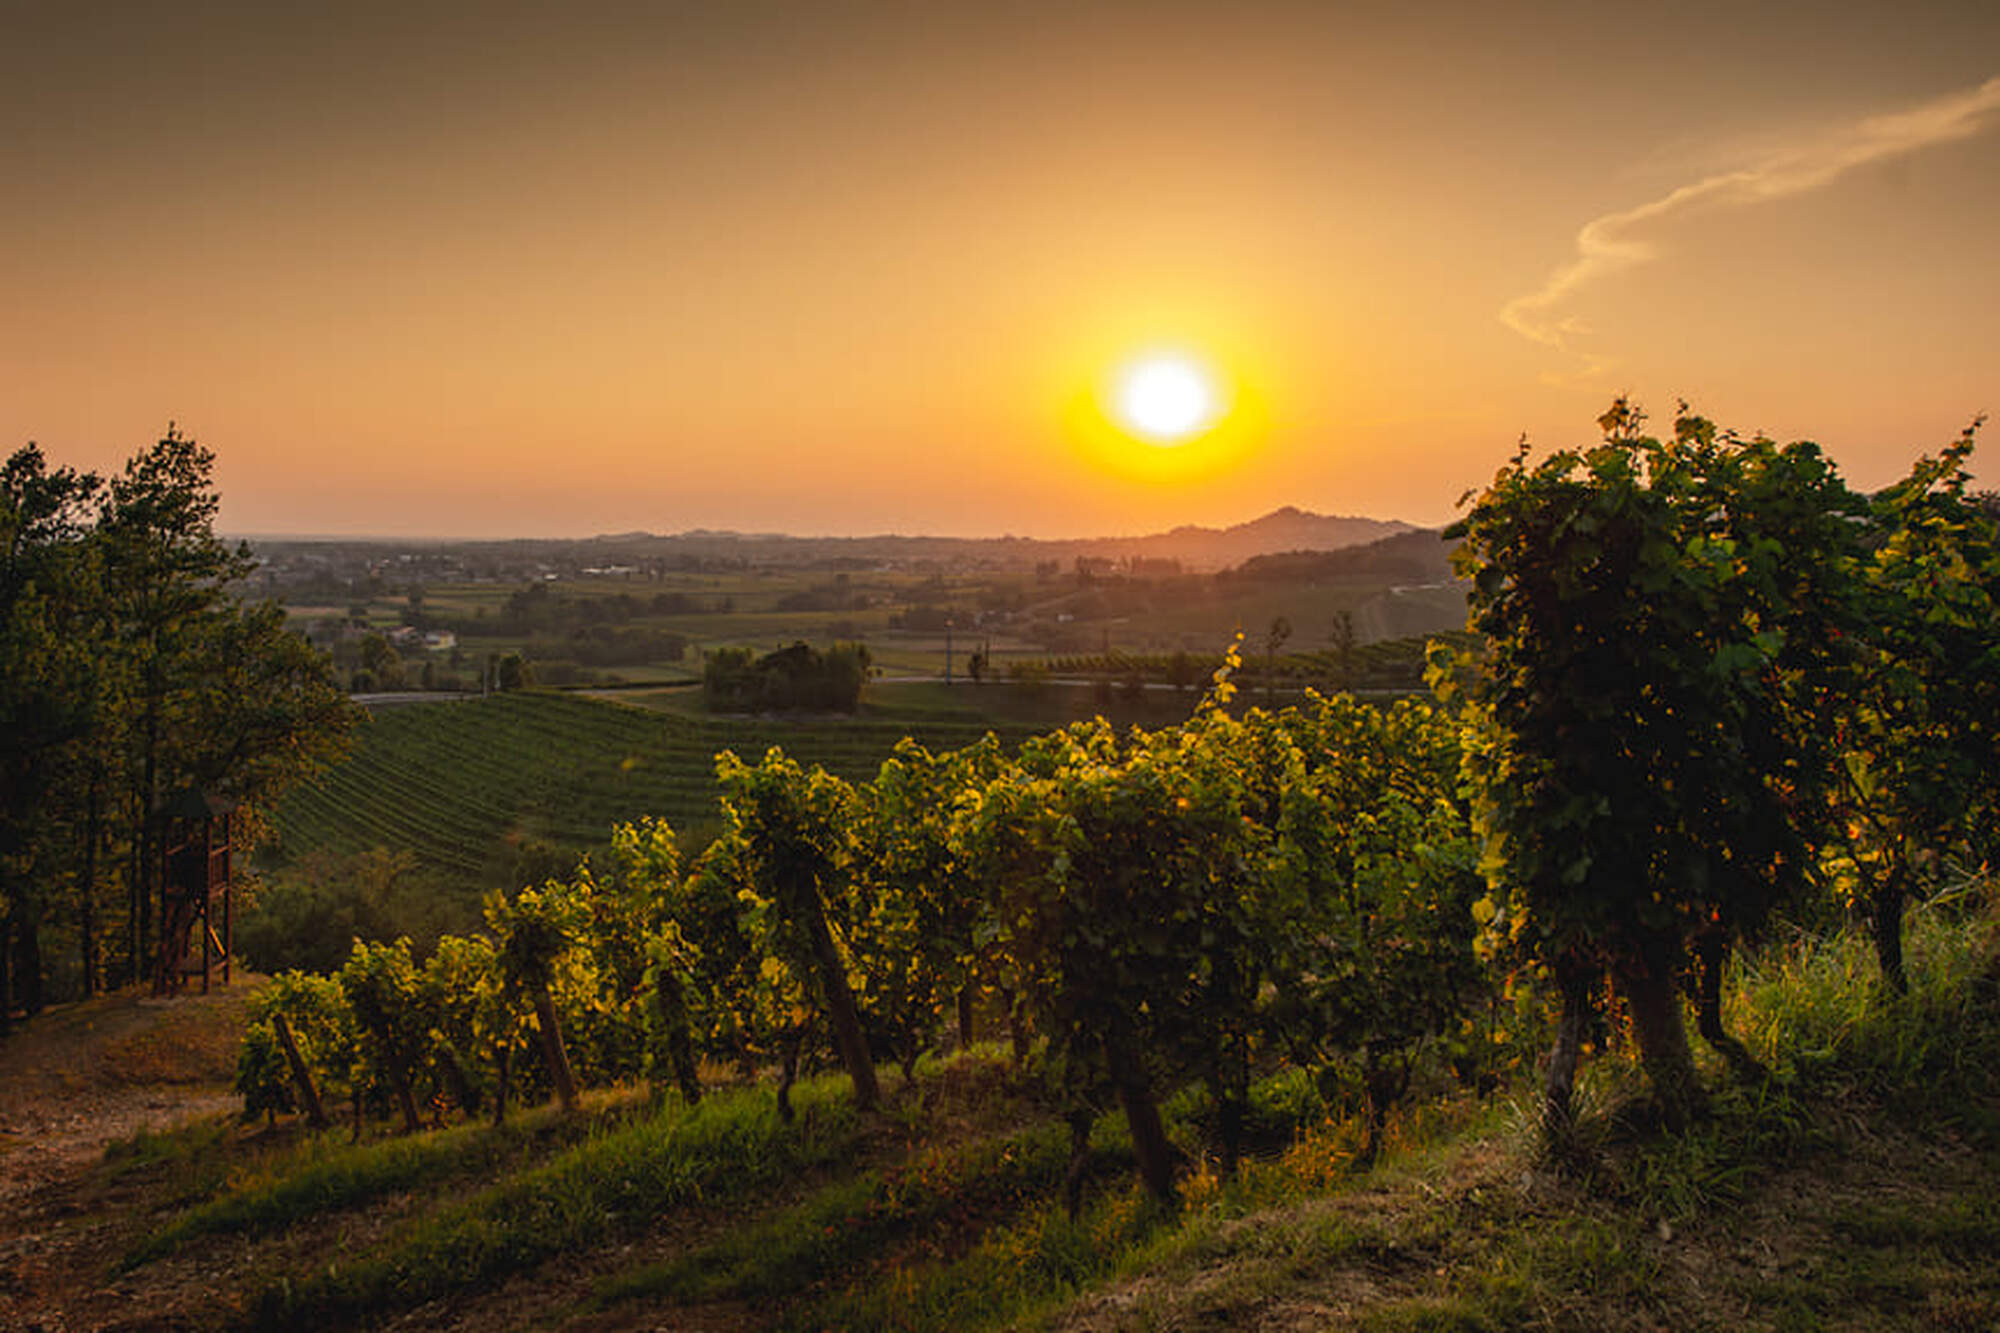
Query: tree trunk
x=1135 y=1094
x=399 y=1082
x=149 y=850
x=505 y=1059
x=461 y=1087
x=1655 y=1005
x=1018 y=1035
x=136 y=896
x=1230 y=1073
x=133 y=879
x=673 y=1017
x=301 y=1076
x=1081 y=1119
x=552 y=1048
x=87 y=892
x=1885 y=903
x=1559 y=1082
x=28 y=924
x=1230 y=1078
x=680 y=1051
x=788 y=1074
x=840 y=1009
x=1712 y=952
x=1386 y=1083
x=6 y=964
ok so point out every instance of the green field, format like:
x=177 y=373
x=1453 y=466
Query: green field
x=1013 y=615
x=483 y=789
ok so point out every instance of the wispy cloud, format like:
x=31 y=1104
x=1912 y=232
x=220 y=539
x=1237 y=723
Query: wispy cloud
x=1618 y=241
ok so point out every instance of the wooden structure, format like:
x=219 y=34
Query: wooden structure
x=197 y=833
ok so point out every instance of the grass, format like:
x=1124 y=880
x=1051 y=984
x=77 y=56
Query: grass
x=323 y=1174
x=1028 y=1269
x=615 y=1182
x=1857 y=1186
x=1461 y=1229
x=944 y=1189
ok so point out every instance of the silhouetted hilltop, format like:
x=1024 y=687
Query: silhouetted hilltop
x=1191 y=548
x=1419 y=556
x=1195 y=547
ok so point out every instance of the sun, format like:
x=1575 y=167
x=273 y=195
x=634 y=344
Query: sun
x=1166 y=398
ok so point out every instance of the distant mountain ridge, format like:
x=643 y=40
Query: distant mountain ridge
x=1194 y=546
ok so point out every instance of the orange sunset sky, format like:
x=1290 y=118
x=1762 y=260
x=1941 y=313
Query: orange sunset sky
x=488 y=269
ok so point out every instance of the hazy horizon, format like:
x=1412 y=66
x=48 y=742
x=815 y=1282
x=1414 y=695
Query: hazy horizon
x=703 y=530
x=849 y=269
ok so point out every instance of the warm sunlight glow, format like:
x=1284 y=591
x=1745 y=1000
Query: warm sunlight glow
x=1166 y=398
x=1161 y=389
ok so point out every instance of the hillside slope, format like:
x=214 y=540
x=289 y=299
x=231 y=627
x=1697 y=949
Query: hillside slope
x=1857 y=1188
x=79 y=1076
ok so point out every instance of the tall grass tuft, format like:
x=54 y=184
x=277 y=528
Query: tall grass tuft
x=323 y=1174
x=940 y=1191
x=1816 y=1009
x=616 y=1182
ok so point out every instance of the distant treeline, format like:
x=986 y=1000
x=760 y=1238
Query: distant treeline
x=1389 y=664
x=536 y=608
x=800 y=677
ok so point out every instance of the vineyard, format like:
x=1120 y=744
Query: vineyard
x=1384 y=665
x=466 y=786
x=1725 y=752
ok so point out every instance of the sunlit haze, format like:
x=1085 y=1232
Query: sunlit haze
x=500 y=269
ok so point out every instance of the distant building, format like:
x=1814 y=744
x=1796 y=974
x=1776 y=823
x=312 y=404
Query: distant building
x=440 y=641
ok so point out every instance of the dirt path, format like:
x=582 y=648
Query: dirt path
x=83 y=1075
x=74 y=1080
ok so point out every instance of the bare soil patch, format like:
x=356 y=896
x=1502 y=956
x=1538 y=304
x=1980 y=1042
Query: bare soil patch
x=74 y=1080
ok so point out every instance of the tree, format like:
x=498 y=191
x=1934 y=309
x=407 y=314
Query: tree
x=47 y=578
x=1274 y=639
x=1343 y=640
x=324 y=1038
x=1921 y=768
x=465 y=994
x=1369 y=905
x=794 y=832
x=382 y=988
x=513 y=672
x=167 y=574
x=918 y=910
x=1640 y=767
x=532 y=932
x=128 y=670
x=797 y=677
x=1123 y=880
x=381 y=661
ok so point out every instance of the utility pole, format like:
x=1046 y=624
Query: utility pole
x=947 y=652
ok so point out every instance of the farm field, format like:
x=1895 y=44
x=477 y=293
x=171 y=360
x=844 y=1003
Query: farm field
x=485 y=790
x=590 y=628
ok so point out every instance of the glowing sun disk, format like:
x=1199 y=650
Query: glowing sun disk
x=1166 y=398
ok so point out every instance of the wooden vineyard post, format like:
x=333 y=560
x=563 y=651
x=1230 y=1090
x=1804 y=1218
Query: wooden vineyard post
x=301 y=1076
x=552 y=1048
